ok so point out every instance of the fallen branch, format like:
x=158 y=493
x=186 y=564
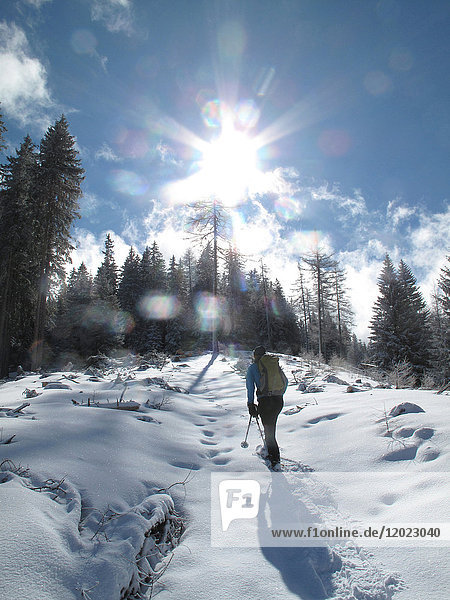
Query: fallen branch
x=20 y=408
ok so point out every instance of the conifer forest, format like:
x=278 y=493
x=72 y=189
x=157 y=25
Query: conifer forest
x=212 y=295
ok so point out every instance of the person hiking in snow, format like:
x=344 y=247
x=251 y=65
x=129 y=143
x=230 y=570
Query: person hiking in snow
x=270 y=382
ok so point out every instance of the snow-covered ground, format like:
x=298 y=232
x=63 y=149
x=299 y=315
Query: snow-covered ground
x=93 y=500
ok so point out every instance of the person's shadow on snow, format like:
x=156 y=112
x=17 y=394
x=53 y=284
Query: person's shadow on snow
x=306 y=571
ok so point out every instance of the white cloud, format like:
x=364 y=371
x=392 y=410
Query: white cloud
x=23 y=83
x=116 y=15
x=430 y=244
x=106 y=153
x=397 y=213
x=36 y=3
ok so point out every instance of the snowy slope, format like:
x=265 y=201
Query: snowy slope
x=85 y=489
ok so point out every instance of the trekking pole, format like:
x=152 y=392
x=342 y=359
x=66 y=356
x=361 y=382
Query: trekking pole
x=260 y=430
x=244 y=444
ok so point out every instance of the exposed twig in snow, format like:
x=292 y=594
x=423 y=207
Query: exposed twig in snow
x=85 y=592
x=186 y=480
x=8 y=465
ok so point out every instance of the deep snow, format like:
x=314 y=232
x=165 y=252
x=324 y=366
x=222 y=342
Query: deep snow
x=88 y=488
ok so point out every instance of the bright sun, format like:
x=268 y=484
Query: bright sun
x=228 y=170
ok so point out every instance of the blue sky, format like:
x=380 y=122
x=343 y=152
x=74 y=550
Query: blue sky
x=347 y=103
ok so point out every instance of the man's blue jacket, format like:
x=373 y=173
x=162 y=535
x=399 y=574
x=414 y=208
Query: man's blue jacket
x=252 y=379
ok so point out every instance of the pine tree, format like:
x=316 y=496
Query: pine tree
x=17 y=253
x=58 y=190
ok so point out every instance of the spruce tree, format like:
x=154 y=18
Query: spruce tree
x=17 y=252
x=106 y=278
x=58 y=191
x=105 y=303
x=285 y=330
x=386 y=344
x=233 y=290
x=129 y=292
x=440 y=320
x=444 y=285
x=76 y=331
x=150 y=328
x=175 y=326
x=414 y=331
x=2 y=131
x=204 y=272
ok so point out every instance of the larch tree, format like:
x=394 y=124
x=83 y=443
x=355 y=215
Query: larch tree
x=341 y=309
x=210 y=226
x=321 y=265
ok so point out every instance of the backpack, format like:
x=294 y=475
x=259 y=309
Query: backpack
x=273 y=381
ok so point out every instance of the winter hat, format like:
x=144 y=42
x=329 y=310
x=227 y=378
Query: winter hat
x=258 y=352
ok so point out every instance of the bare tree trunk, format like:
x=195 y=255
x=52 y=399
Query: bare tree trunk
x=215 y=344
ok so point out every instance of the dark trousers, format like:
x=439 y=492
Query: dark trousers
x=269 y=407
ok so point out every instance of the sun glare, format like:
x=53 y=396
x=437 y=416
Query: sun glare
x=227 y=170
x=229 y=166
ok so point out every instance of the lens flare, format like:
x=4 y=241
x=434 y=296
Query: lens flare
x=335 y=142
x=128 y=182
x=377 y=83
x=133 y=143
x=300 y=243
x=212 y=113
x=247 y=113
x=231 y=40
x=212 y=312
x=83 y=41
x=112 y=320
x=288 y=208
x=274 y=307
x=159 y=307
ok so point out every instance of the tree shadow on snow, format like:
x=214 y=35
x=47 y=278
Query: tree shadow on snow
x=203 y=372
